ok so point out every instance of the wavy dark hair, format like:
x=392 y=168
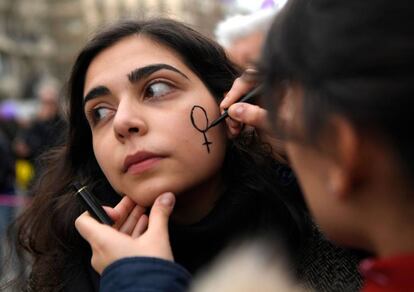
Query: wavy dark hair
x=46 y=229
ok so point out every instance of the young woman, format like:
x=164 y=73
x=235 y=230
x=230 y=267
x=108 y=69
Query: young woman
x=340 y=87
x=141 y=97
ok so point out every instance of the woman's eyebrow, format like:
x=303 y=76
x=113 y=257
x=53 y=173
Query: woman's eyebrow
x=133 y=77
x=146 y=71
x=96 y=92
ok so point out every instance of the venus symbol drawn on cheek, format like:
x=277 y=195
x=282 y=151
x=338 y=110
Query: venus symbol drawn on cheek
x=199 y=120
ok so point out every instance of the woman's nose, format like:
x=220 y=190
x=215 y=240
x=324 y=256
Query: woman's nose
x=128 y=121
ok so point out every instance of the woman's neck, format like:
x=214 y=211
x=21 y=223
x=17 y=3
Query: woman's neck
x=194 y=204
x=395 y=238
x=392 y=224
x=384 y=207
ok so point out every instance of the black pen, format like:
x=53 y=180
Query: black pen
x=246 y=98
x=91 y=204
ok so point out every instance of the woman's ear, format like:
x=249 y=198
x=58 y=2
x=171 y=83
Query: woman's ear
x=345 y=171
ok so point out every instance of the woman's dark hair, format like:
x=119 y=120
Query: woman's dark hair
x=46 y=229
x=353 y=58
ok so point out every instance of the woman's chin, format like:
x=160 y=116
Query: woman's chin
x=148 y=199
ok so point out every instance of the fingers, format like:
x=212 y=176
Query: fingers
x=132 y=220
x=233 y=128
x=250 y=75
x=90 y=229
x=109 y=245
x=257 y=117
x=115 y=216
x=156 y=235
x=240 y=87
x=140 y=227
x=160 y=213
x=124 y=208
x=249 y=114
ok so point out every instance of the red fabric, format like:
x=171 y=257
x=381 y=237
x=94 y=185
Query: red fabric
x=389 y=274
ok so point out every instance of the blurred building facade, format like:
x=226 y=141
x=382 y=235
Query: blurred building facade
x=40 y=38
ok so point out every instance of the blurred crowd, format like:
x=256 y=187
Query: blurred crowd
x=27 y=129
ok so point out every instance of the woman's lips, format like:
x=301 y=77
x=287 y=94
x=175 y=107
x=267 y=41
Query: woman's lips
x=140 y=167
x=140 y=162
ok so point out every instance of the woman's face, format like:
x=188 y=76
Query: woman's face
x=147 y=112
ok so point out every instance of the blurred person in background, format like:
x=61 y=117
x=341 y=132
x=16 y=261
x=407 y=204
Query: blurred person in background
x=43 y=133
x=8 y=119
x=242 y=36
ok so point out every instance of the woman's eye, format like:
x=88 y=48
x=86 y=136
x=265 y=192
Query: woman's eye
x=99 y=113
x=157 y=89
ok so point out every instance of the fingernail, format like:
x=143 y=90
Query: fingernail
x=167 y=199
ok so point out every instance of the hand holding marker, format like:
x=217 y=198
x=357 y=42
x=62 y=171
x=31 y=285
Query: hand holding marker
x=246 y=98
x=91 y=204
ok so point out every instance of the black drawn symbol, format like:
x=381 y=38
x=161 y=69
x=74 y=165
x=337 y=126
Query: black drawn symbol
x=204 y=129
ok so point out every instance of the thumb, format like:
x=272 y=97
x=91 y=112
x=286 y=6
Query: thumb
x=160 y=213
x=249 y=114
x=90 y=229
